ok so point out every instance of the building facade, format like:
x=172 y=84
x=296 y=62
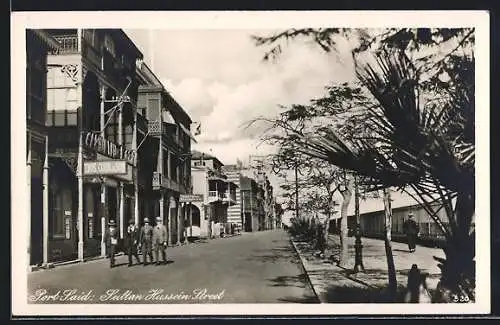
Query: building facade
x=92 y=93
x=252 y=202
x=210 y=216
x=234 y=212
x=38 y=45
x=164 y=155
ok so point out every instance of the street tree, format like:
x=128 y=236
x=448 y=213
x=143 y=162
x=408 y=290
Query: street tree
x=420 y=125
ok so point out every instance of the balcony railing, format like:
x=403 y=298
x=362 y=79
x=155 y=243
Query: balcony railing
x=154 y=128
x=68 y=43
x=160 y=181
x=215 y=196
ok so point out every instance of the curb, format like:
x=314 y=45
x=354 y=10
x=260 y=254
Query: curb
x=302 y=263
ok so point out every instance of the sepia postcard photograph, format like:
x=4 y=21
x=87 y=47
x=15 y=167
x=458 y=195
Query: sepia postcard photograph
x=250 y=163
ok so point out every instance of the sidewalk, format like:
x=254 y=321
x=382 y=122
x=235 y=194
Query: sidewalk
x=332 y=283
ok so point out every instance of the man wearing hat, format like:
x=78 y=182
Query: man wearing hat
x=411 y=229
x=131 y=241
x=111 y=239
x=146 y=241
x=160 y=241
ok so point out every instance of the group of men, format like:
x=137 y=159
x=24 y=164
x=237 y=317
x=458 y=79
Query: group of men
x=146 y=239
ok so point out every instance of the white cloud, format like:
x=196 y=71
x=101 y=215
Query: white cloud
x=221 y=81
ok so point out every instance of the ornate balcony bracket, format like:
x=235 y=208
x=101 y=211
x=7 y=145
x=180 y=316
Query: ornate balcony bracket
x=71 y=162
x=71 y=71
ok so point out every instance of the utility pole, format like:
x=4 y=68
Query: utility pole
x=358 y=247
x=296 y=190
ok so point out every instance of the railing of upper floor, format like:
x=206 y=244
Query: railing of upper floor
x=159 y=181
x=68 y=43
x=157 y=128
x=62 y=118
x=215 y=195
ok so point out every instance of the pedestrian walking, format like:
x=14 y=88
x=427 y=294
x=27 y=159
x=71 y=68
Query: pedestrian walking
x=111 y=239
x=160 y=241
x=146 y=241
x=132 y=241
x=412 y=230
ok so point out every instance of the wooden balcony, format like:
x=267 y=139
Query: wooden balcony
x=161 y=182
x=154 y=128
x=214 y=196
x=68 y=44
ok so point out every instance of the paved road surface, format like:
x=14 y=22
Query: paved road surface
x=259 y=267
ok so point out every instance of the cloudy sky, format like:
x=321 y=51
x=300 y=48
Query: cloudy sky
x=220 y=79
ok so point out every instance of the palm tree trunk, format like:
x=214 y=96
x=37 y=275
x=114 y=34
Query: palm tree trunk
x=393 y=285
x=457 y=283
x=346 y=196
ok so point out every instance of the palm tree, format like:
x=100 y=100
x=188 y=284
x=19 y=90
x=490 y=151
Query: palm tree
x=422 y=142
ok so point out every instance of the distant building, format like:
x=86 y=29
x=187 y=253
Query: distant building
x=210 y=217
x=372 y=215
x=252 y=204
x=234 y=211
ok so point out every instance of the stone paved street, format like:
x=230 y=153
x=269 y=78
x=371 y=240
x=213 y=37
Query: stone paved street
x=257 y=267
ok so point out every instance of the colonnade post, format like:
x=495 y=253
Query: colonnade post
x=28 y=201
x=45 y=194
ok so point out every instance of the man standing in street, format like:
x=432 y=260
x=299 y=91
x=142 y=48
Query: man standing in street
x=131 y=242
x=111 y=239
x=412 y=230
x=146 y=241
x=160 y=241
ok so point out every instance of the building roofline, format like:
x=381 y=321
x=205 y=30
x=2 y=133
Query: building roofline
x=45 y=38
x=146 y=72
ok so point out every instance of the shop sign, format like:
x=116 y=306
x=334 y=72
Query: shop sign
x=104 y=167
x=95 y=141
x=191 y=198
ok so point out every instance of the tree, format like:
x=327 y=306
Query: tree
x=420 y=129
x=317 y=185
x=393 y=285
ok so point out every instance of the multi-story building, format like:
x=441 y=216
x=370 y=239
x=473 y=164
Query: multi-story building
x=164 y=155
x=38 y=44
x=252 y=204
x=92 y=91
x=234 y=211
x=210 y=216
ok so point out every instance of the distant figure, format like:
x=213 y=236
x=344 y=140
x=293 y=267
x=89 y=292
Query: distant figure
x=160 y=241
x=412 y=230
x=417 y=287
x=146 y=242
x=132 y=241
x=111 y=239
